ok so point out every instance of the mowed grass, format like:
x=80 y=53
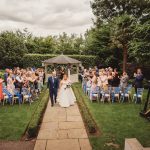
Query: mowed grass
x=15 y=119
x=116 y=122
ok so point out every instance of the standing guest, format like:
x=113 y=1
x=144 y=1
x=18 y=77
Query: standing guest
x=1 y=88
x=138 y=79
x=62 y=72
x=6 y=76
x=99 y=82
x=124 y=81
x=94 y=77
x=116 y=80
x=41 y=76
x=97 y=70
x=116 y=71
x=19 y=81
x=10 y=84
x=110 y=79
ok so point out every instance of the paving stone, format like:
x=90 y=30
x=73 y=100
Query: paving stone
x=49 y=126
x=71 y=125
x=77 y=133
x=65 y=144
x=40 y=145
x=47 y=134
x=62 y=129
x=62 y=134
x=74 y=118
x=85 y=144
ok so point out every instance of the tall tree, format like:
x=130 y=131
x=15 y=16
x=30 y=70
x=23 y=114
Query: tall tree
x=139 y=46
x=121 y=34
x=105 y=10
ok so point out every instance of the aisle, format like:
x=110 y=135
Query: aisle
x=62 y=129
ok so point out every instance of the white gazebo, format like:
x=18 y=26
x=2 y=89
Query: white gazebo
x=63 y=60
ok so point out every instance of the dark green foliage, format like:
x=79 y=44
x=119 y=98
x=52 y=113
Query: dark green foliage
x=12 y=49
x=35 y=60
x=105 y=10
x=139 y=46
x=121 y=32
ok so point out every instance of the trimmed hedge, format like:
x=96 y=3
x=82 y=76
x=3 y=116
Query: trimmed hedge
x=33 y=127
x=35 y=60
x=86 y=115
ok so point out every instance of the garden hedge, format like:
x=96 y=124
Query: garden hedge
x=90 y=124
x=33 y=126
x=35 y=60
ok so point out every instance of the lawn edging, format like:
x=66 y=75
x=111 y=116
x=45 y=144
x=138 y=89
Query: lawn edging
x=89 y=121
x=34 y=124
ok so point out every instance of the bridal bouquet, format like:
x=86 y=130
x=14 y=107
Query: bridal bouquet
x=68 y=86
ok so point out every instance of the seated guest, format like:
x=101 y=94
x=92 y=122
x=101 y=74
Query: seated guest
x=104 y=78
x=138 y=79
x=93 y=87
x=124 y=81
x=10 y=84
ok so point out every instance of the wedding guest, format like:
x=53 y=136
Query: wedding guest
x=110 y=79
x=99 y=80
x=1 y=88
x=116 y=79
x=94 y=77
x=10 y=84
x=104 y=78
x=19 y=81
x=6 y=76
x=62 y=72
x=138 y=79
x=93 y=87
x=124 y=81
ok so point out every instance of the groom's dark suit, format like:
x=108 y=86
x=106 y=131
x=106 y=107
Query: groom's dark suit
x=53 y=85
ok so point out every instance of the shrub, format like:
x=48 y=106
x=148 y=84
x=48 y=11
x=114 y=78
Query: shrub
x=87 y=117
x=35 y=60
x=36 y=119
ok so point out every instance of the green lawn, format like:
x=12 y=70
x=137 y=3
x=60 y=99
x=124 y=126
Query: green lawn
x=116 y=122
x=15 y=119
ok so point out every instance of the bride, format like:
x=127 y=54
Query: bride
x=66 y=96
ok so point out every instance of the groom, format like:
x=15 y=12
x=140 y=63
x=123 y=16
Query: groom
x=53 y=85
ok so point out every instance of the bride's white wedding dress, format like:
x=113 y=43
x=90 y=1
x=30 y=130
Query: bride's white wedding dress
x=66 y=95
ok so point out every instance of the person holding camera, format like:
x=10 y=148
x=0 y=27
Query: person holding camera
x=138 y=83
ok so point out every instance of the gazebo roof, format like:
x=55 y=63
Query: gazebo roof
x=61 y=59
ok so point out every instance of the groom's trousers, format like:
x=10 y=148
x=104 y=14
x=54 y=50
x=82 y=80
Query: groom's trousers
x=53 y=96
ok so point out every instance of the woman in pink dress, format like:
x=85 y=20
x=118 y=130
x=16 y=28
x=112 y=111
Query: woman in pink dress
x=1 y=89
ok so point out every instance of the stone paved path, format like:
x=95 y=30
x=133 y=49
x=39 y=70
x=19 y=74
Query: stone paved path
x=62 y=129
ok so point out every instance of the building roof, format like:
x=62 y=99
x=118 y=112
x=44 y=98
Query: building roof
x=61 y=59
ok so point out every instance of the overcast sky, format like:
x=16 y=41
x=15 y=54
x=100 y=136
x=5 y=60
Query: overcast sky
x=43 y=17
